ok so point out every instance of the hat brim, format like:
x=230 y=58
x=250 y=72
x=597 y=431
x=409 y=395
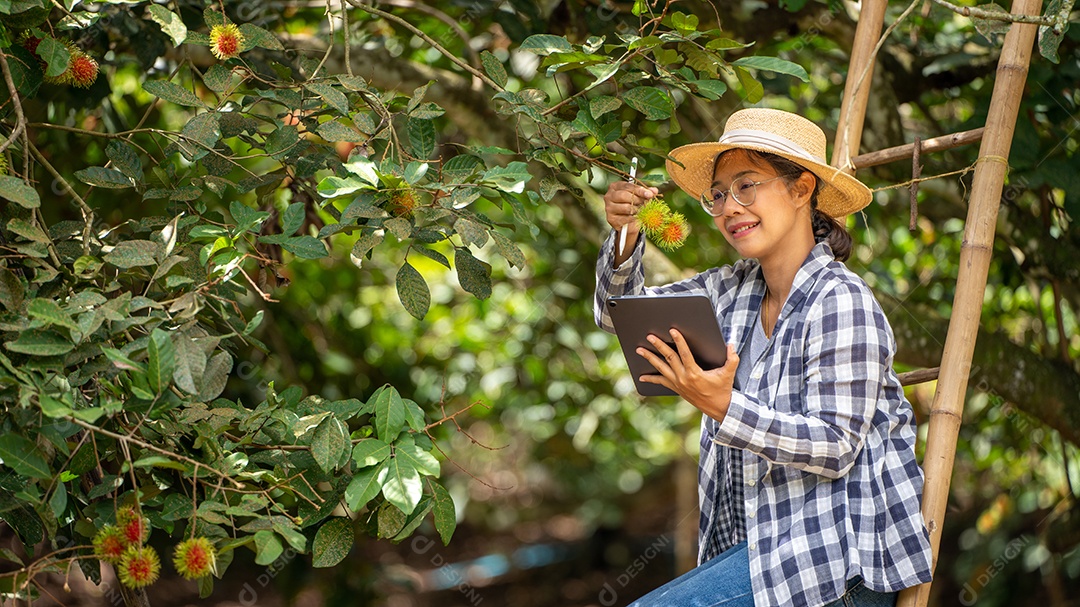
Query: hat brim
x=840 y=195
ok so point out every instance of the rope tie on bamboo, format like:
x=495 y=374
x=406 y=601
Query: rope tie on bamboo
x=963 y=171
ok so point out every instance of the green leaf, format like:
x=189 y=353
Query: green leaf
x=267 y=547
x=327 y=443
x=603 y=104
x=494 y=68
x=651 y=101
x=257 y=36
x=12 y=291
x=104 y=178
x=398 y=226
x=52 y=407
x=711 y=89
x=683 y=22
x=753 y=89
x=161 y=360
x=245 y=217
x=253 y=323
x=334 y=131
x=14 y=189
x=40 y=342
x=217 y=78
x=170 y=23
x=401 y=484
x=125 y=158
x=413 y=291
x=461 y=167
x=423 y=461
x=364 y=169
x=190 y=364
x=433 y=255
x=773 y=64
x=332 y=96
x=282 y=141
x=306 y=247
x=511 y=178
x=201 y=134
x=445 y=514
x=413 y=520
x=363 y=488
x=1050 y=40
x=55 y=55
x=172 y=92
x=332 y=543
x=389 y=414
x=50 y=312
x=509 y=250
x=369 y=452
x=471 y=232
x=545 y=44
x=22 y=455
x=28 y=231
x=58 y=501
x=287 y=530
x=217 y=373
x=133 y=253
x=421 y=137
x=473 y=274
x=293 y=218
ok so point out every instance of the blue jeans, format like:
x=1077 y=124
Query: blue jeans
x=725 y=582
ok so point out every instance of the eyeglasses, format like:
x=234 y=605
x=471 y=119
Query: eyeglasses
x=743 y=191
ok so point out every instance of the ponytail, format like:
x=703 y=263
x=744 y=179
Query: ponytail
x=828 y=229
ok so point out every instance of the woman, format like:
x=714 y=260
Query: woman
x=808 y=484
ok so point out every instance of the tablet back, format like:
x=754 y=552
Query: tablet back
x=636 y=316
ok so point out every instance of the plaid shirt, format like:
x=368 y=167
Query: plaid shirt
x=832 y=488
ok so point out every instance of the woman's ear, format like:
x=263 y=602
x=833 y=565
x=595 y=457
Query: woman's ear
x=803 y=188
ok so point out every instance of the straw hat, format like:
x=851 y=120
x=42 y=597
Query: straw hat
x=776 y=132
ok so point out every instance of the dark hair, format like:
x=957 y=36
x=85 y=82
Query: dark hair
x=826 y=228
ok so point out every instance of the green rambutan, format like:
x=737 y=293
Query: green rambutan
x=139 y=566
x=652 y=216
x=195 y=558
x=109 y=544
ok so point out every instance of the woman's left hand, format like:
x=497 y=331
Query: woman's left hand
x=708 y=390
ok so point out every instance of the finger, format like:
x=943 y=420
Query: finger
x=685 y=355
x=658 y=363
x=671 y=356
x=732 y=361
x=658 y=379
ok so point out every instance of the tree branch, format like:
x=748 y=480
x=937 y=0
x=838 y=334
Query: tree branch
x=978 y=13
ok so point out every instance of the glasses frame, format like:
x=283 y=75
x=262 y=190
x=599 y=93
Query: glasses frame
x=753 y=197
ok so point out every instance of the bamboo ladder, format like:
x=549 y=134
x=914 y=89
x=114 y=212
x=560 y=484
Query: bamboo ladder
x=948 y=404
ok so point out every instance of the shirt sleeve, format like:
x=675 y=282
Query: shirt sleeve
x=629 y=279
x=848 y=352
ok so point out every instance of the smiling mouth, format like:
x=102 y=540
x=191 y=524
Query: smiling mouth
x=741 y=229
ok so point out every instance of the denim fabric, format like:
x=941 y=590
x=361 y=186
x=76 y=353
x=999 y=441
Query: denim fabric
x=722 y=582
x=858 y=595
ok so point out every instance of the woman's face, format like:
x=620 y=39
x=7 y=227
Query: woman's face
x=757 y=230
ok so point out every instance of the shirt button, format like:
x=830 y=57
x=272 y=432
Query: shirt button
x=750 y=514
x=752 y=546
x=750 y=482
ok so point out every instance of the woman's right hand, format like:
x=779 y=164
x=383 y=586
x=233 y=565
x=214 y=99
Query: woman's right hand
x=621 y=203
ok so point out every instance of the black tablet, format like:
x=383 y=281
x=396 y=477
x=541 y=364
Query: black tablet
x=636 y=316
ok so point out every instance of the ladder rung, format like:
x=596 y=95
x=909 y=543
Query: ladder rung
x=902 y=152
x=919 y=376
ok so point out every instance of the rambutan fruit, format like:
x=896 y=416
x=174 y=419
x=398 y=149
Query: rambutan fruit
x=139 y=566
x=135 y=528
x=226 y=41
x=109 y=544
x=673 y=233
x=652 y=216
x=195 y=558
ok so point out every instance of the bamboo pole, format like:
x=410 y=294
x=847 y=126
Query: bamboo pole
x=903 y=152
x=853 y=107
x=948 y=405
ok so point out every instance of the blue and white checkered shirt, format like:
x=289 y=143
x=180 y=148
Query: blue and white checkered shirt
x=832 y=488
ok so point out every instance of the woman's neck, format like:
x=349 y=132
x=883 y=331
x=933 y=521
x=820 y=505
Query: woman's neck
x=780 y=267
